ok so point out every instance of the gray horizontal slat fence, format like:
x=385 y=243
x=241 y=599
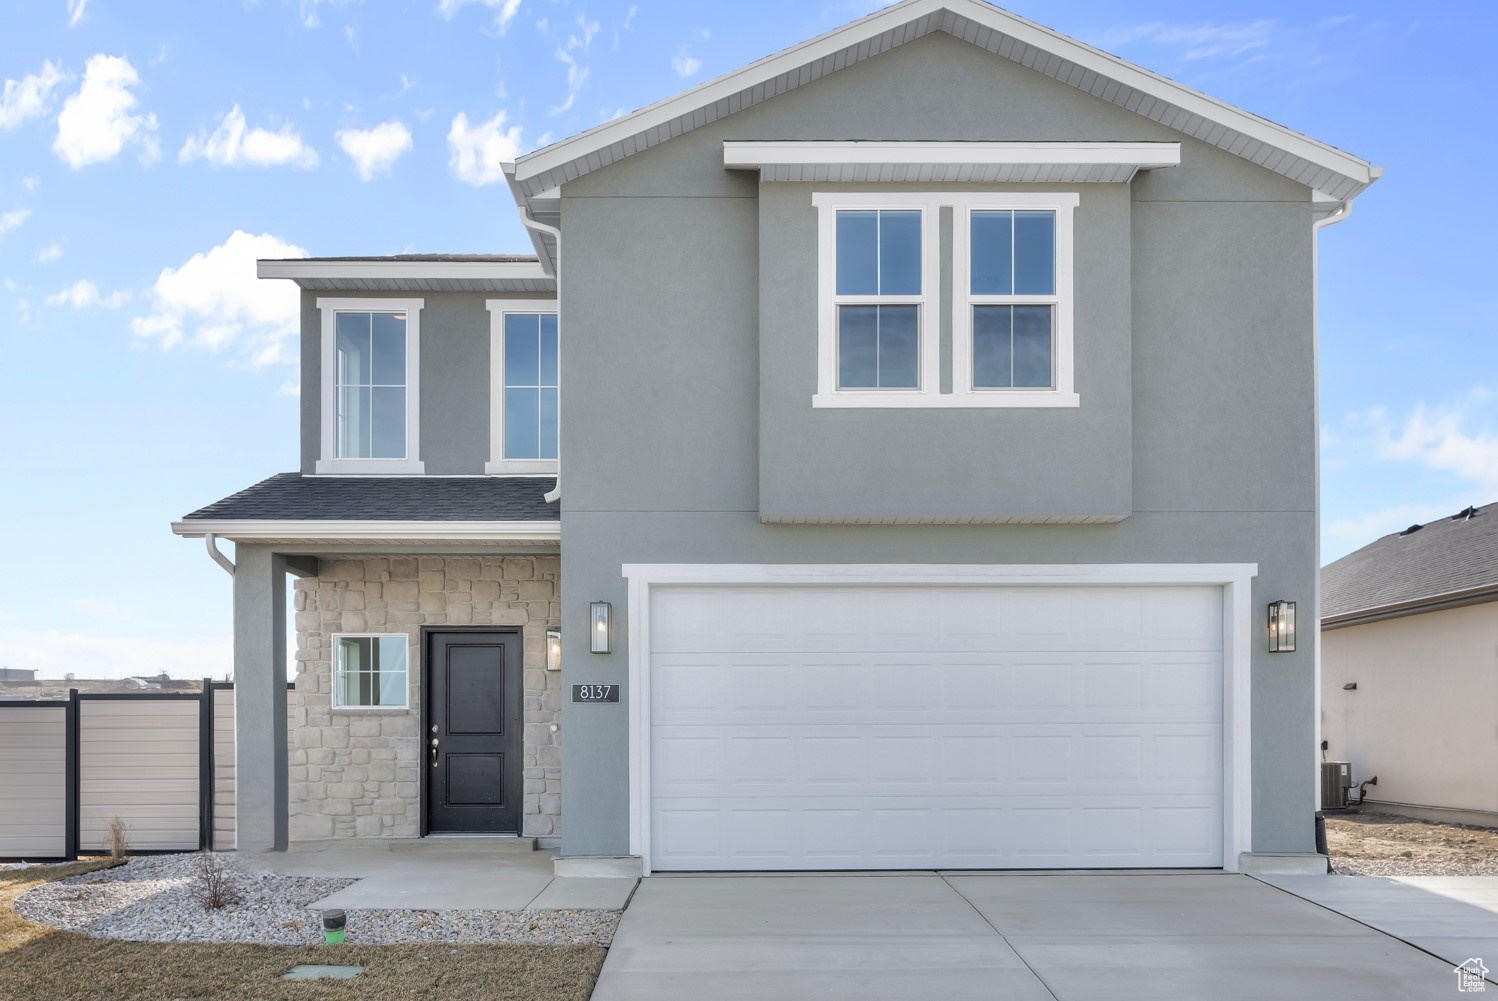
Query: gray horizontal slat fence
x=33 y=780
x=161 y=763
x=139 y=761
x=223 y=768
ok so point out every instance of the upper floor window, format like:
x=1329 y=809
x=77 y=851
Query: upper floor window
x=524 y=375
x=369 y=386
x=884 y=302
x=878 y=299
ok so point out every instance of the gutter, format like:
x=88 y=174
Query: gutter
x=1415 y=606
x=251 y=530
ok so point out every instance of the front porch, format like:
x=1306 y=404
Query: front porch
x=388 y=570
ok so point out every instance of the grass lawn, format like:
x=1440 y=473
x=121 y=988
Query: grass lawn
x=41 y=964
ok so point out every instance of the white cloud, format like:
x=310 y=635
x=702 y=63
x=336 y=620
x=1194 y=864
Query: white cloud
x=30 y=183
x=1197 y=41
x=84 y=294
x=1443 y=439
x=10 y=220
x=307 y=10
x=577 y=74
x=478 y=153
x=215 y=302
x=54 y=654
x=75 y=12
x=684 y=63
x=504 y=10
x=49 y=253
x=27 y=97
x=96 y=123
x=232 y=144
x=375 y=150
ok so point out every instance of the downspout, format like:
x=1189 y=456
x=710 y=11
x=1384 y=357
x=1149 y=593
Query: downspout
x=211 y=541
x=556 y=234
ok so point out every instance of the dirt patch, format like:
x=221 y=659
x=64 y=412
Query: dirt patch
x=1382 y=844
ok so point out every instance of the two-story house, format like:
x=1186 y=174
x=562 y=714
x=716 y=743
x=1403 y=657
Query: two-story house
x=889 y=459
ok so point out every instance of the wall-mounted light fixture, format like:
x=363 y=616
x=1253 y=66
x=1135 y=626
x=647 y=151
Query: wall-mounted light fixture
x=553 y=649
x=603 y=628
x=1281 y=627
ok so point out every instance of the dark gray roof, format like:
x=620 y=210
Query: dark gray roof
x=1439 y=558
x=294 y=497
x=470 y=258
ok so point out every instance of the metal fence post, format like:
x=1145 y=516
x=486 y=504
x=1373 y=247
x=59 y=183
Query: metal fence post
x=70 y=771
x=205 y=766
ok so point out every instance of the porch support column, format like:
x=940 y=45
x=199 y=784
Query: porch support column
x=260 y=698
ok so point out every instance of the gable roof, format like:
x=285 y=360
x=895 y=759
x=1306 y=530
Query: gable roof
x=1338 y=176
x=1444 y=563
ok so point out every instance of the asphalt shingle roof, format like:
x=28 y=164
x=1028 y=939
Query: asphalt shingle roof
x=294 y=497
x=1451 y=554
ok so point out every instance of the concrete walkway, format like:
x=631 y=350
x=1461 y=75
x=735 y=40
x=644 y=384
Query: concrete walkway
x=435 y=874
x=1021 y=937
x=1454 y=917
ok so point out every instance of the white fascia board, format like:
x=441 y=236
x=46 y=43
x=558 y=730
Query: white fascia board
x=1083 y=56
x=455 y=531
x=753 y=155
x=430 y=270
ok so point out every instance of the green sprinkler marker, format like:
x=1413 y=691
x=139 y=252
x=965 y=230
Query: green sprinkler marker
x=332 y=927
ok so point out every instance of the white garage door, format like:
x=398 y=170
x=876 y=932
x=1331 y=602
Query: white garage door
x=866 y=727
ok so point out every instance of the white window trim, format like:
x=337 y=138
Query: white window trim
x=1063 y=394
x=1235 y=579
x=333 y=665
x=929 y=382
x=498 y=464
x=329 y=462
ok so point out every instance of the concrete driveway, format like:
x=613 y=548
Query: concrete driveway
x=954 y=936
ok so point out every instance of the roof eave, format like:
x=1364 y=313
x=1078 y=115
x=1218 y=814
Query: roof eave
x=579 y=154
x=1414 y=606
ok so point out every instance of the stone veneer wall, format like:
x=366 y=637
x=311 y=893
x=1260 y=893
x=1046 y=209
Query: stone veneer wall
x=356 y=772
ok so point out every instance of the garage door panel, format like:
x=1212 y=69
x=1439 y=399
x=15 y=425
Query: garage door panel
x=937 y=832
x=972 y=760
x=972 y=619
x=937 y=689
x=920 y=727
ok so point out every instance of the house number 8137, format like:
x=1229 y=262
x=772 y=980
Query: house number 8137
x=595 y=693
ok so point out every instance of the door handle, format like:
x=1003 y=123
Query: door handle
x=434 y=752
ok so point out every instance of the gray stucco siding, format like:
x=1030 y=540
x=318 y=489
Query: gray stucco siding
x=454 y=374
x=690 y=365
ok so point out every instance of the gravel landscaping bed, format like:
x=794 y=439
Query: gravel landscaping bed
x=1383 y=844
x=149 y=899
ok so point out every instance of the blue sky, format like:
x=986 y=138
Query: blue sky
x=149 y=152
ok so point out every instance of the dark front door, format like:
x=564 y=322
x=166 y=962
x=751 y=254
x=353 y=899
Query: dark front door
x=472 y=750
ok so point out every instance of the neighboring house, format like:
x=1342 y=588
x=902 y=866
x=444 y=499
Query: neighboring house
x=935 y=404
x=1409 y=667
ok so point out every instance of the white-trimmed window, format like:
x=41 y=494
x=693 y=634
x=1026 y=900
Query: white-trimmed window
x=878 y=263
x=523 y=370
x=881 y=297
x=370 y=387
x=370 y=671
x=1012 y=301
